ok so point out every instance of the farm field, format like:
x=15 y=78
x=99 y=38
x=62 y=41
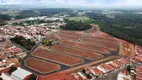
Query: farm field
x=85 y=46
x=42 y=65
x=57 y=57
x=78 y=52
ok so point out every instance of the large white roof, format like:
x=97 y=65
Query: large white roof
x=20 y=74
x=5 y=77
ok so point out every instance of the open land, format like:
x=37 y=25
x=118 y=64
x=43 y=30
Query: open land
x=102 y=42
x=61 y=75
x=78 y=52
x=57 y=57
x=75 y=50
x=41 y=66
x=85 y=46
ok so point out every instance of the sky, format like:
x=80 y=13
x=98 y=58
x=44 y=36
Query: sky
x=72 y=3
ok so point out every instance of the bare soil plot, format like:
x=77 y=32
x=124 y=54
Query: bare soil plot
x=106 y=44
x=85 y=46
x=41 y=66
x=93 y=30
x=107 y=39
x=53 y=38
x=68 y=37
x=139 y=49
x=77 y=52
x=127 y=49
x=57 y=57
x=72 y=33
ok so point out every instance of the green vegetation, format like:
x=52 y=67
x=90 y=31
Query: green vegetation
x=12 y=69
x=27 y=14
x=33 y=77
x=78 y=18
x=42 y=12
x=132 y=70
x=32 y=22
x=47 y=42
x=2 y=23
x=4 y=17
x=77 y=23
x=126 y=26
x=26 y=43
x=89 y=76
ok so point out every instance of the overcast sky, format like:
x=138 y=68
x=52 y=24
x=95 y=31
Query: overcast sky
x=84 y=3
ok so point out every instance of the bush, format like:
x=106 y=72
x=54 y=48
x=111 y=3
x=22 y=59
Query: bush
x=12 y=69
x=33 y=77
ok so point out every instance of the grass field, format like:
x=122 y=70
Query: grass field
x=78 y=18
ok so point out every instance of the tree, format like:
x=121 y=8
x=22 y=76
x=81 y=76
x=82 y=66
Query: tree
x=33 y=77
x=128 y=68
x=47 y=42
x=1 y=78
x=76 y=25
x=12 y=69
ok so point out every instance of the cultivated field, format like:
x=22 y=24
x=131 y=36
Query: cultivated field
x=77 y=52
x=57 y=57
x=41 y=66
x=85 y=46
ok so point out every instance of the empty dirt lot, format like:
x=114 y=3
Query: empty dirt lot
x=41 y=66
x=77 y=52
x=57 y=57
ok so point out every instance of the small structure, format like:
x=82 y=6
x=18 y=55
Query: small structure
x=20 y=74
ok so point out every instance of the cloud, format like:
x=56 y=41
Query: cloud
x=85 y=3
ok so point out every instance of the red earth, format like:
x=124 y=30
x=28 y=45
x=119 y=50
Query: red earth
x=85 y=46
x=57 y=57
x=71 y=33
x=41 y=66
x=78 y=52
x=68 y=37
x=105 y=43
